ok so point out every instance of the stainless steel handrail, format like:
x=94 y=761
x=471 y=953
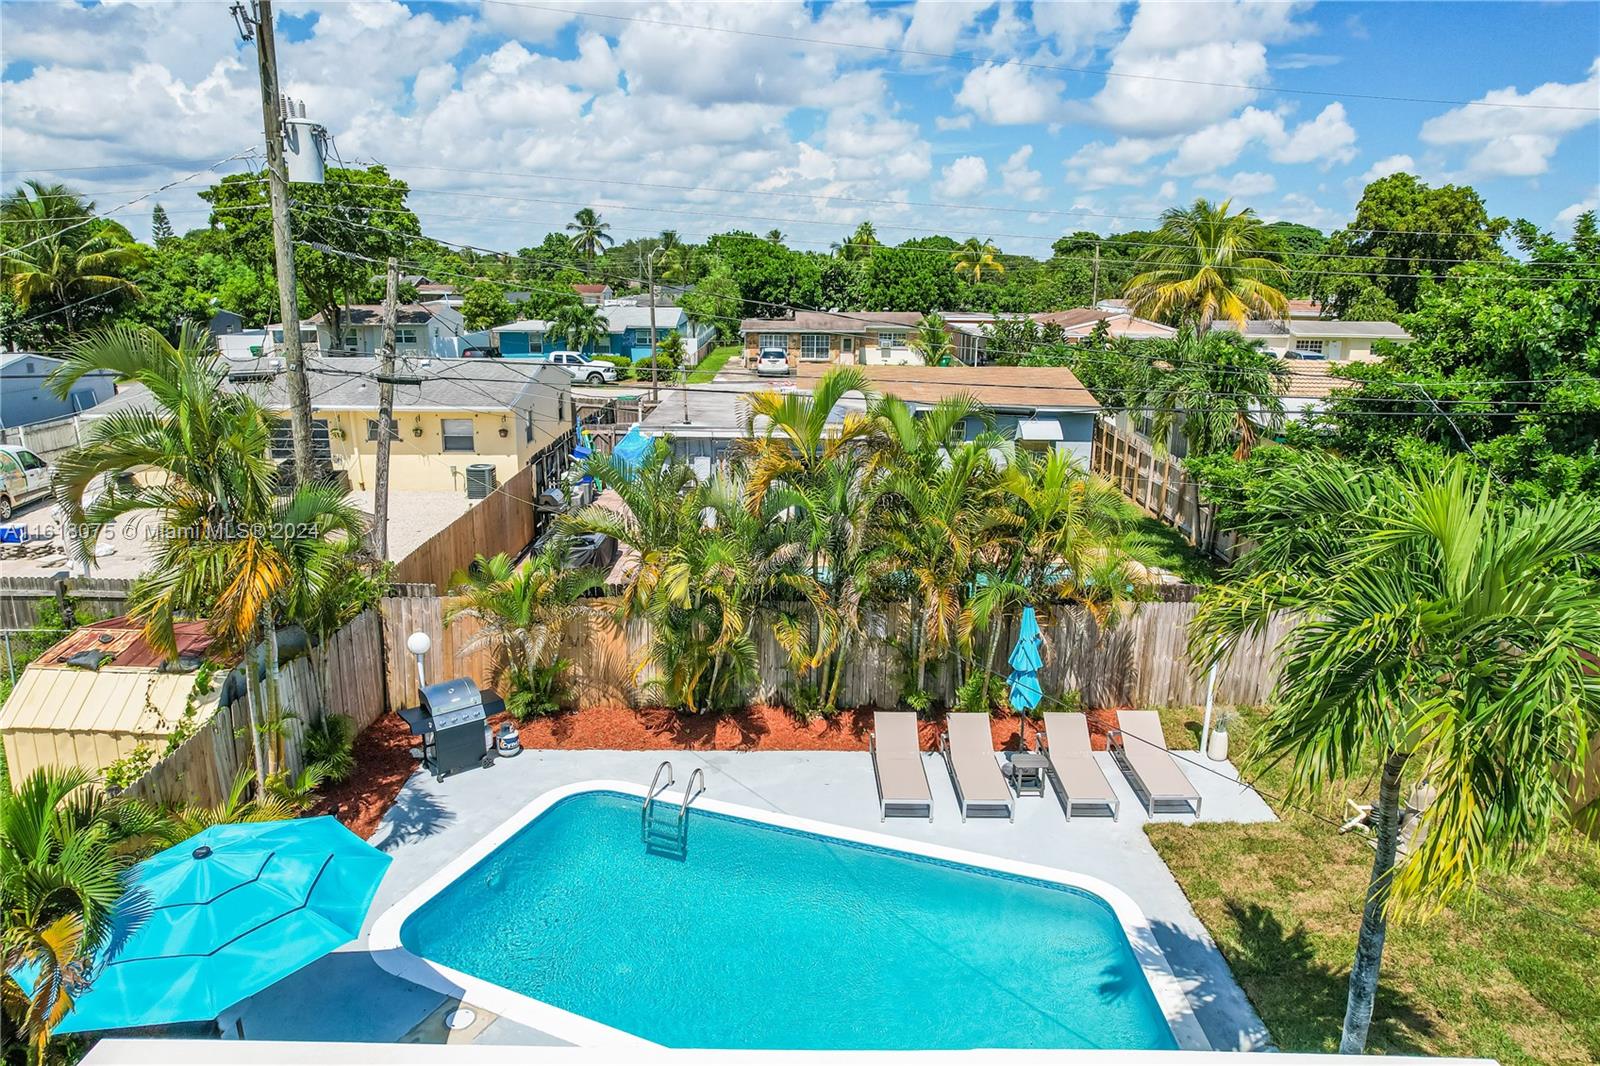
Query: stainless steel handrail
x=689 y=793
x=650 y=797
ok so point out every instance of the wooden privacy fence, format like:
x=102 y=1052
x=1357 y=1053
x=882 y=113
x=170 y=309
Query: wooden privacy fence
x=1161 y=486
x=504 y=521
x=1142 y=661
x=20 y=597
x=342 y=676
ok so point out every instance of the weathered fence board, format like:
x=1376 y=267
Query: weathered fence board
x=1161 y=487
x=342 y=676
x=21 y=597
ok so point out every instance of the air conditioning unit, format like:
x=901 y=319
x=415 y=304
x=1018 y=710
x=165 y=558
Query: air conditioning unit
x=481 y=480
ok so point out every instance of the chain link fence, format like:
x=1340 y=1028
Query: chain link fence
x=18 y=648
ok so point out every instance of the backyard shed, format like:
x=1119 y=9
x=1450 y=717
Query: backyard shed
x=98 y=693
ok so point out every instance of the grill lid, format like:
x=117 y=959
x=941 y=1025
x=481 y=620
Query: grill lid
x=457 y=694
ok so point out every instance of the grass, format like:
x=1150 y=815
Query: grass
x=713 y=363
x=1154 y=543
x=1507 y=974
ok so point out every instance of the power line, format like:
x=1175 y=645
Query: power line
x=1099 y=72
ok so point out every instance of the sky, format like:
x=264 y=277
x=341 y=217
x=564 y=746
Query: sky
x=1011 y=121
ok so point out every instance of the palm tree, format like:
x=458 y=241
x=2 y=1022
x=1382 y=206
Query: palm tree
x=799 y=436
x=1206 y=263
x=1225 y=389
x=932 y=340
x=581 y=325
x=976 y=258
x=61 y=882
x=590 y=236
x=775 y=236
x=1443 y=633
x=55 y=258
x=859 y=245
x=521 y=612
x=668 y=241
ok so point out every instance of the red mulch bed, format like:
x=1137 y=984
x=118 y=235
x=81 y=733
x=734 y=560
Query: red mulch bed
x=383 y=751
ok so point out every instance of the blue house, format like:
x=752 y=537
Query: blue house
x=629 y=335
x=26 y=396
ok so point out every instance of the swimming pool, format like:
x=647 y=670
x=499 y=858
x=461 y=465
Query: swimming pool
x=774 y=932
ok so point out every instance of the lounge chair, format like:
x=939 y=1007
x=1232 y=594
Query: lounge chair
x=1141 y=751
x=968 y=749
x=897 y=766
x=1079 y=781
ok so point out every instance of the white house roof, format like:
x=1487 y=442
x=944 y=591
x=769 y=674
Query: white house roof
x=1311 y=328
x=523 y=325
x=628 y=316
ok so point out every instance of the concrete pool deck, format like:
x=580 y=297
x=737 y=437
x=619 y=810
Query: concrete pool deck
x=347 y=997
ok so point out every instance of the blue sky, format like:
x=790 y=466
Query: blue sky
x=504 y=116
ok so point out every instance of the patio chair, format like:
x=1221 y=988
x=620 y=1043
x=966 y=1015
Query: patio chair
x=1079 y=781
x=897 y=766
x=1141 y=752
x=968 y=750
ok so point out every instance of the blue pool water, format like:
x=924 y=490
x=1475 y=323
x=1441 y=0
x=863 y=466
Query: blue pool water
x=762 y=937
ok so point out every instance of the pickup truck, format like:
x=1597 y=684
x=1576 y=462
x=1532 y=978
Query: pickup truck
x=582 y=368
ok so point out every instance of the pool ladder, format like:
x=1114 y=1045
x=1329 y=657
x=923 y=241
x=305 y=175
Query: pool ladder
x=672 y=841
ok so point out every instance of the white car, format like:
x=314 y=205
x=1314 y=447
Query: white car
x=23 y=477
x=582 y=368
x=772 y=362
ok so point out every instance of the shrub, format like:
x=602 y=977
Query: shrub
x=331 y=744
x=621 y=362
x=538 y=691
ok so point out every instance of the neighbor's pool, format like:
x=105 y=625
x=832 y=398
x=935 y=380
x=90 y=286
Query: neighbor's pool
x=768 y=937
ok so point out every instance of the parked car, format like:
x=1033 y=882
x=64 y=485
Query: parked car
x=478 y=351
x=581 y=367
x=23 y=477
x=772 y=362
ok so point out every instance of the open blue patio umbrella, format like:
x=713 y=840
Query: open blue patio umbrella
x=231 y=910
x=1025 y=665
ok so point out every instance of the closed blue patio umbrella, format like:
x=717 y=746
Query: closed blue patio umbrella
x=231 y=910
x=1025 y=665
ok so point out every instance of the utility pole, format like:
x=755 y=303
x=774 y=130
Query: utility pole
x=380 y=483
x=650 y=281
x=257 y=24
x=1095 y=302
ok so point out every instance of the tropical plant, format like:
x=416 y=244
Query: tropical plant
x=1443 y=636
x=581 y=325
x=775 y=236
x=1220 y=389
x=590 y=236
x=975 y=258
x=858 y=246
x=331 y=744
x=238 y=806
x=1208 y=262
x=65 y=847
x=670 y=349
x=521 y=612
x=295 y=791
x=931 y=340
x=57 y=257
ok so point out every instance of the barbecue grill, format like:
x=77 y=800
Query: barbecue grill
x=454 y=727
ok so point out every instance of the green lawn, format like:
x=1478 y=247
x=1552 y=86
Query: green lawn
x=1508 y=974
x=708 y=367
x=1155 y=543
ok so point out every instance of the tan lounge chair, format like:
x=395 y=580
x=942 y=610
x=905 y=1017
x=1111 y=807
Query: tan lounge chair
x=1078 y=778
x=1141 y=752
x=968 y=749
x=897 y=766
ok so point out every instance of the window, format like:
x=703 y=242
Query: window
x=779 y=341
x=528 y=428
x=890 y=341
x=814 y=347
x=405 y=335
x=282 y=446
x=308 y=335
x=457 y=434
x=372 y=429
x=1309 y=349
x=29 y=460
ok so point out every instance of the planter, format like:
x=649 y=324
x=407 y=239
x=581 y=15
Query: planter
x=1217 y=749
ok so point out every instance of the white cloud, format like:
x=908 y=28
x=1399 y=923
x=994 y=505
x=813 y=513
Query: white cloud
x=1098 y=166
x=1297 y=207
x=936 y=26
x=1517 y=141
x=952 y=122
x=1076 y=26
x=1241 y=185
x=1389 y=164
x=963 y=178
x=1568 y=216
x=1018 y=178
x=1325 y=140
x=1008 y=94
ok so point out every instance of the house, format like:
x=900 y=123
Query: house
x=1305 y=309
x=100 y=692
x=26 y=396
x=1329 y=339
x=629 y=335
x=447 y=417
x=852 y=337
x=1039 y=407
x=225 y=322
x=1079 y=323
x=421 y=331
x=593 y=294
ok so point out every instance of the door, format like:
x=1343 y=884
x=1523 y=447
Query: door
x=36 y=472
x=847 y=350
